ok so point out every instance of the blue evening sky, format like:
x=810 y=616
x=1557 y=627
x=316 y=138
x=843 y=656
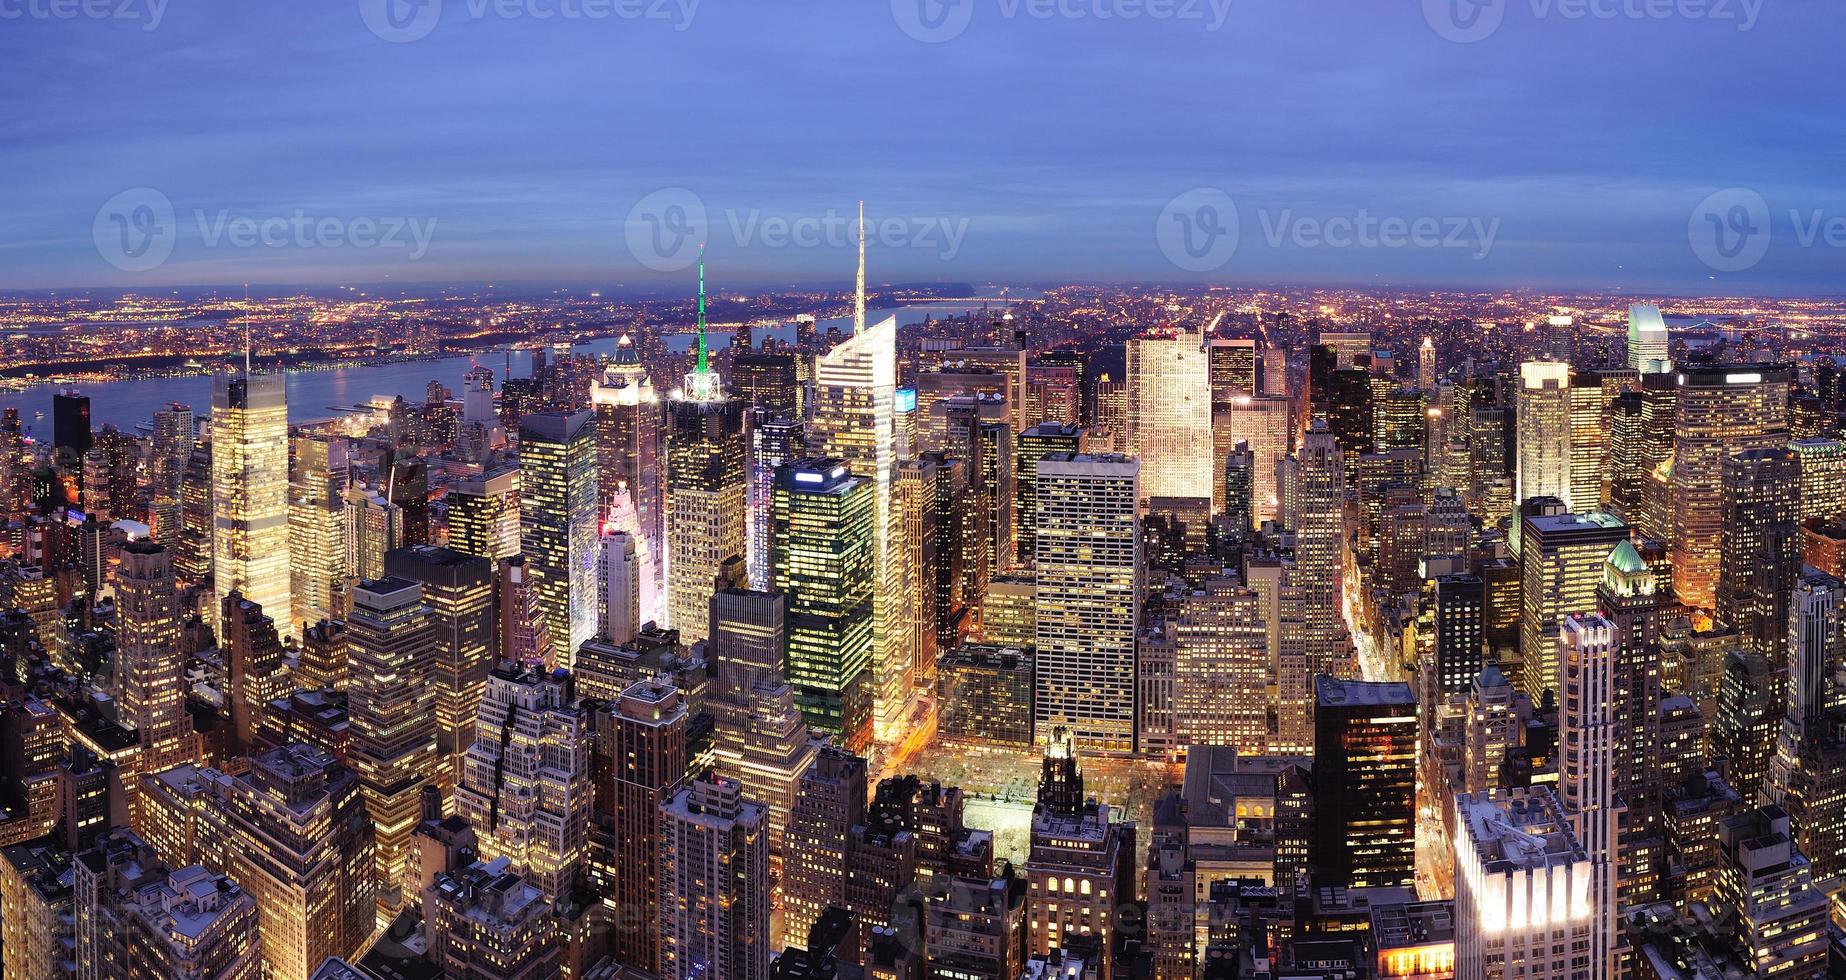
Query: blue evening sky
x=1578 y=143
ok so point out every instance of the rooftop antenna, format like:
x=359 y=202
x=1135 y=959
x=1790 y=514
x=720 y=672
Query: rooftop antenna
x=858 y=311
x=704 y=366
x=248 y=356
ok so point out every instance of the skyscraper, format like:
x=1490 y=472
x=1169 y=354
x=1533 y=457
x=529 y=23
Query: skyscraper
x=706 y=492
x=1523 y=898
x=829 y=802
x=823 y=561
x=1590 y=736
x=628 y=461
x=392 y=706
x=774 y=442
x=1032 y=445
x=645 y=736
x=714 y=883
x=458 y=588
x=484 y=514
x=1561 y=559
x=175 y=429
x=759 y=736
x=557 y=519
x=1265 y=422
x=249 y=459
x=1760 y=543
x=1543 y=408
x=149 y=662
x=854 y=419
x=1169 y=413
x=618 y=597
x=525 y=783
x=1089 y=597
x=1365 y=761
x=1650 y=345
x=1221 y=669
x=1721 y=410
x=1316 y=511
x=255 y=672
x=317 y=529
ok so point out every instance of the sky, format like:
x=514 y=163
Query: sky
x=1655 y=146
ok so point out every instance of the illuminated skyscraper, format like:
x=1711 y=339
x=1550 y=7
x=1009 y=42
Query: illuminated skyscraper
x=1221 y=668
x=1033 y=445
x=1169 y=413
x=829 y=802
x=1776 y=916
x=760 y=738
x=175 y=429
x=1078 y=865
x=1316 y=512
x=250 y=539
x=707 y=496
x=1523 y=890
x=1650 y=345
x=645 y=735
x=1590 y=739
x=1089 y=597
x=149 y=662
x=774 y=441
x=854 y=419
x=1426 y=365
x=392 y=707
x=823 y=562
x=1760 y=540
x=1265 y=423
x=628 y=462
x=484 y=514
x=458 y=588
x=1561 y=559
x=255 y=672
x=1721 y=410
x=317 y=529
x=714 y=884
x=487 y=921
x=1365 y=761
x=374 y=525
x=1807 y=777
x=618 y=599
x=1823 y=477
x=525 y=782
x=1543 y=408
x=558 y=522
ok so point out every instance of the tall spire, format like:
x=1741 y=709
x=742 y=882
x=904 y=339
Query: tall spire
x=248 y=352
x=704 y=364
x=858 y=310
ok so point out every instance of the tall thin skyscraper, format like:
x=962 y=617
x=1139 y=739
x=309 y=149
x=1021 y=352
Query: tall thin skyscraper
x=251 y=647
x=1721 y=410
x=646 y=733
x=823 y=562
x=1365 y=762
x=1561 y=559
x=149 y=661
x=1089 y=598
x=484 y=514
x=1169 y=413
x=1426 y=365
x=1317 y=513
x=317 y=528
x=1265 y=423
x=855 y=419
x=250 y=539
x=458 y=588
x=557 y=519
x=1761 y=548
x=714 y=884
x=392 y=707
x=1221 y=668
x=1589 y=742
x=175 y=428
x=628 y=462
x=1543 y=408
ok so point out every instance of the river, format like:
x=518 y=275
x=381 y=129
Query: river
x=320 y=393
